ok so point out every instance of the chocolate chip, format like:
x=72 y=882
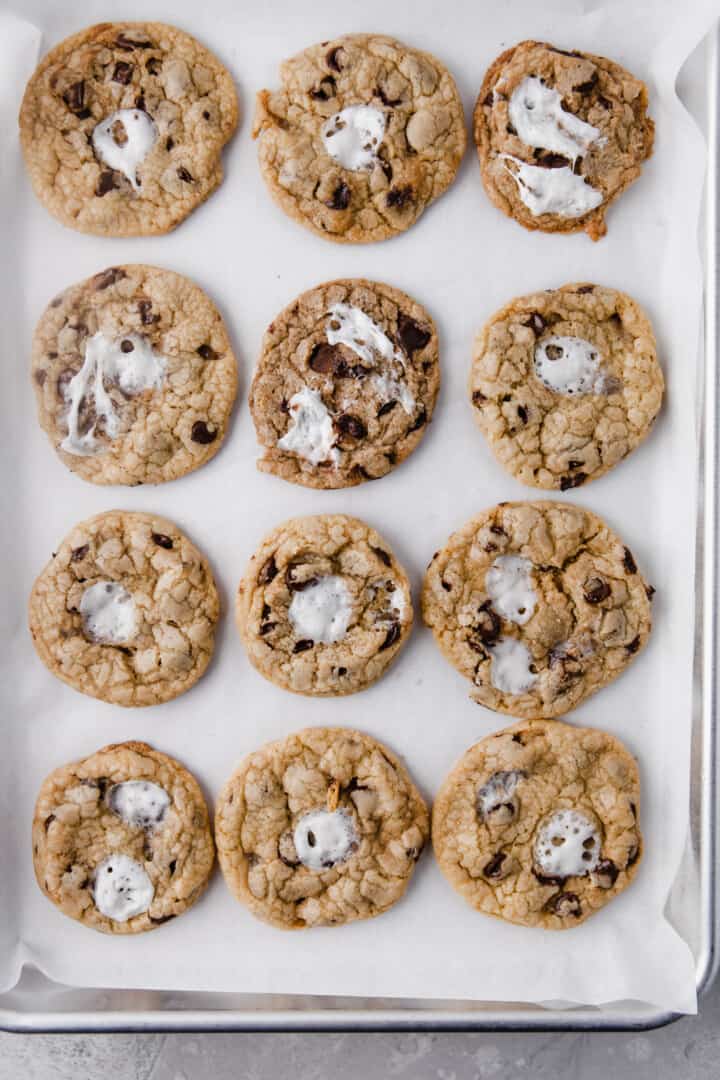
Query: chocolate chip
x=342 y=671
x=595 y=590
x=123 y=72
x=303 y=646
x=391 y=637
x=79 y=553
x=158 y=920
x=518 y=739
x=106 y=182
x=266 y=627
x=633 y=856
x=564 y=52
x=340 y=198
x=567 y=482
x=488 y=625
x=172 y=866
x=48 y=821
x=478 y=398
x=295 y=584
x=325 y=90
x=494 y=869
x=169 y=143
x=126 y=346
x=537 y=323
x=511 y=130
x=385 y=408
x=162 y=540
x=551 y=161
x=386 y=168
x=390 y=102
x=206 y=114
x=634 y=645
x=604 y=102
x=107 y=278
x=74 y=97
x=122 y=41
x=588 y=86
x=420 y=419
x=446 y=585
x=153 y=66
x=575 y=464
x=629 y=562
x=382 y=555
x=146 y=316
x=522 y=413
x=546 y=879
x=140 y=102
x=201 y=433
x=412 y=336
x=649 y=589
x=565 y=904
x=399 y=197
x=268 y=572
x=206 y=352
x=584 y=289
x=359 y=473
x=605 y=874
x=347 y=424
x=328 y=360
x=184 y=175
x=287 y=851
x=334 y=57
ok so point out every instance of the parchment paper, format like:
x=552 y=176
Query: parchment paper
x=462 y=260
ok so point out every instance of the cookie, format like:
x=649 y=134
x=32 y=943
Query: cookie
x=539 y=604
x=121 y=839
x=560 y=135
x=321 y=828
x=125 y=610
x=134 y=376
x=122 y=126
x=362 y=136
x=346 y=384
x=538 y=824
x=565 y=383
x=324 y=606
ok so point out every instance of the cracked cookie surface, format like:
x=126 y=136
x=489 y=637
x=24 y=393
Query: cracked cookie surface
x=362 y=136
x=346 y=384
x=321 y=828
x=121 y=839
x=134 y=376
x=324 y=606
x=122 y=127
x=538 y=604
x=565 y=383
x=538 y=824
x=126 y=609
x=560 y=135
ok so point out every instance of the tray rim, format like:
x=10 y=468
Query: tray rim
x=705 y=804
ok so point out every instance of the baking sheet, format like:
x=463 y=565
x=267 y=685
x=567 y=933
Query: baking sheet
x=462 y=260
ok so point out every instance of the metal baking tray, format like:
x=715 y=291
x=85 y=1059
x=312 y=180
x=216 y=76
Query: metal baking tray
x=37 y=1004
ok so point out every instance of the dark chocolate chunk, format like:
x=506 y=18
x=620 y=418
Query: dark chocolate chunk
x=382 y=555
x=74 y=97
x=567 y=482
x=146 y=316
x=123 y=72
x=154 y=65
x=303 y=646
x=334 y=58
x=565 y=904
x=162 y=540
x=412 y=336
x=347 y=424
x=106 y=182
x=605 y=874
x=184 y=175
x=634 y=645
x=268 y=571
x=127 y=44
x=399 y=197
x=595 y=590
x=391 y=637
x=629 y=562
x=325 y=90
x=494 y=869
x=418 y=422
x=207 y=352
x=201 y=433
x=340 y=198
x=386 y=407
x=108 y=277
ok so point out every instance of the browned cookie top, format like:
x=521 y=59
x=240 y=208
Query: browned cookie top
x=363 y=134
x=134 y=376
x=560 y=135
x=122 y=126
x=346 y=384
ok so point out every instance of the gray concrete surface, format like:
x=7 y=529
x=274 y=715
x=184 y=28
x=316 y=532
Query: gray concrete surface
x=687 y=1050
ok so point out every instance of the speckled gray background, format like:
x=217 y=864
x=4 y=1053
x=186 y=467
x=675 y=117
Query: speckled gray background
x=686 y=1050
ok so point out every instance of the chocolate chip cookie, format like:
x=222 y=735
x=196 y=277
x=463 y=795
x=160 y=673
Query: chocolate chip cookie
x=134 y=376
x=565 y=383
x=560 y=135
x=346 y=384
x=324 y=606
x=538 y=824
x=121 y=839
x=539 y=604
x=320 y=829
x=122 y=126
x=125 y=610
x=362 y=136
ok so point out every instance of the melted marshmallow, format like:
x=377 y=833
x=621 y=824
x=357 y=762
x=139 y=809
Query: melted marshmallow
x=553 y=191
x=575 y=371
x=121 y=888
x=498 y=790
x=108 y=612
x=537 y=115
x=510 y=668
x=352 y=136
x=131 y=363
x=311 y=433
x=510 y=588
x=139 y=803
x=123 y=141
x=321 y=611
x=350 y=326
x=324 y=838
x=567 y=845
